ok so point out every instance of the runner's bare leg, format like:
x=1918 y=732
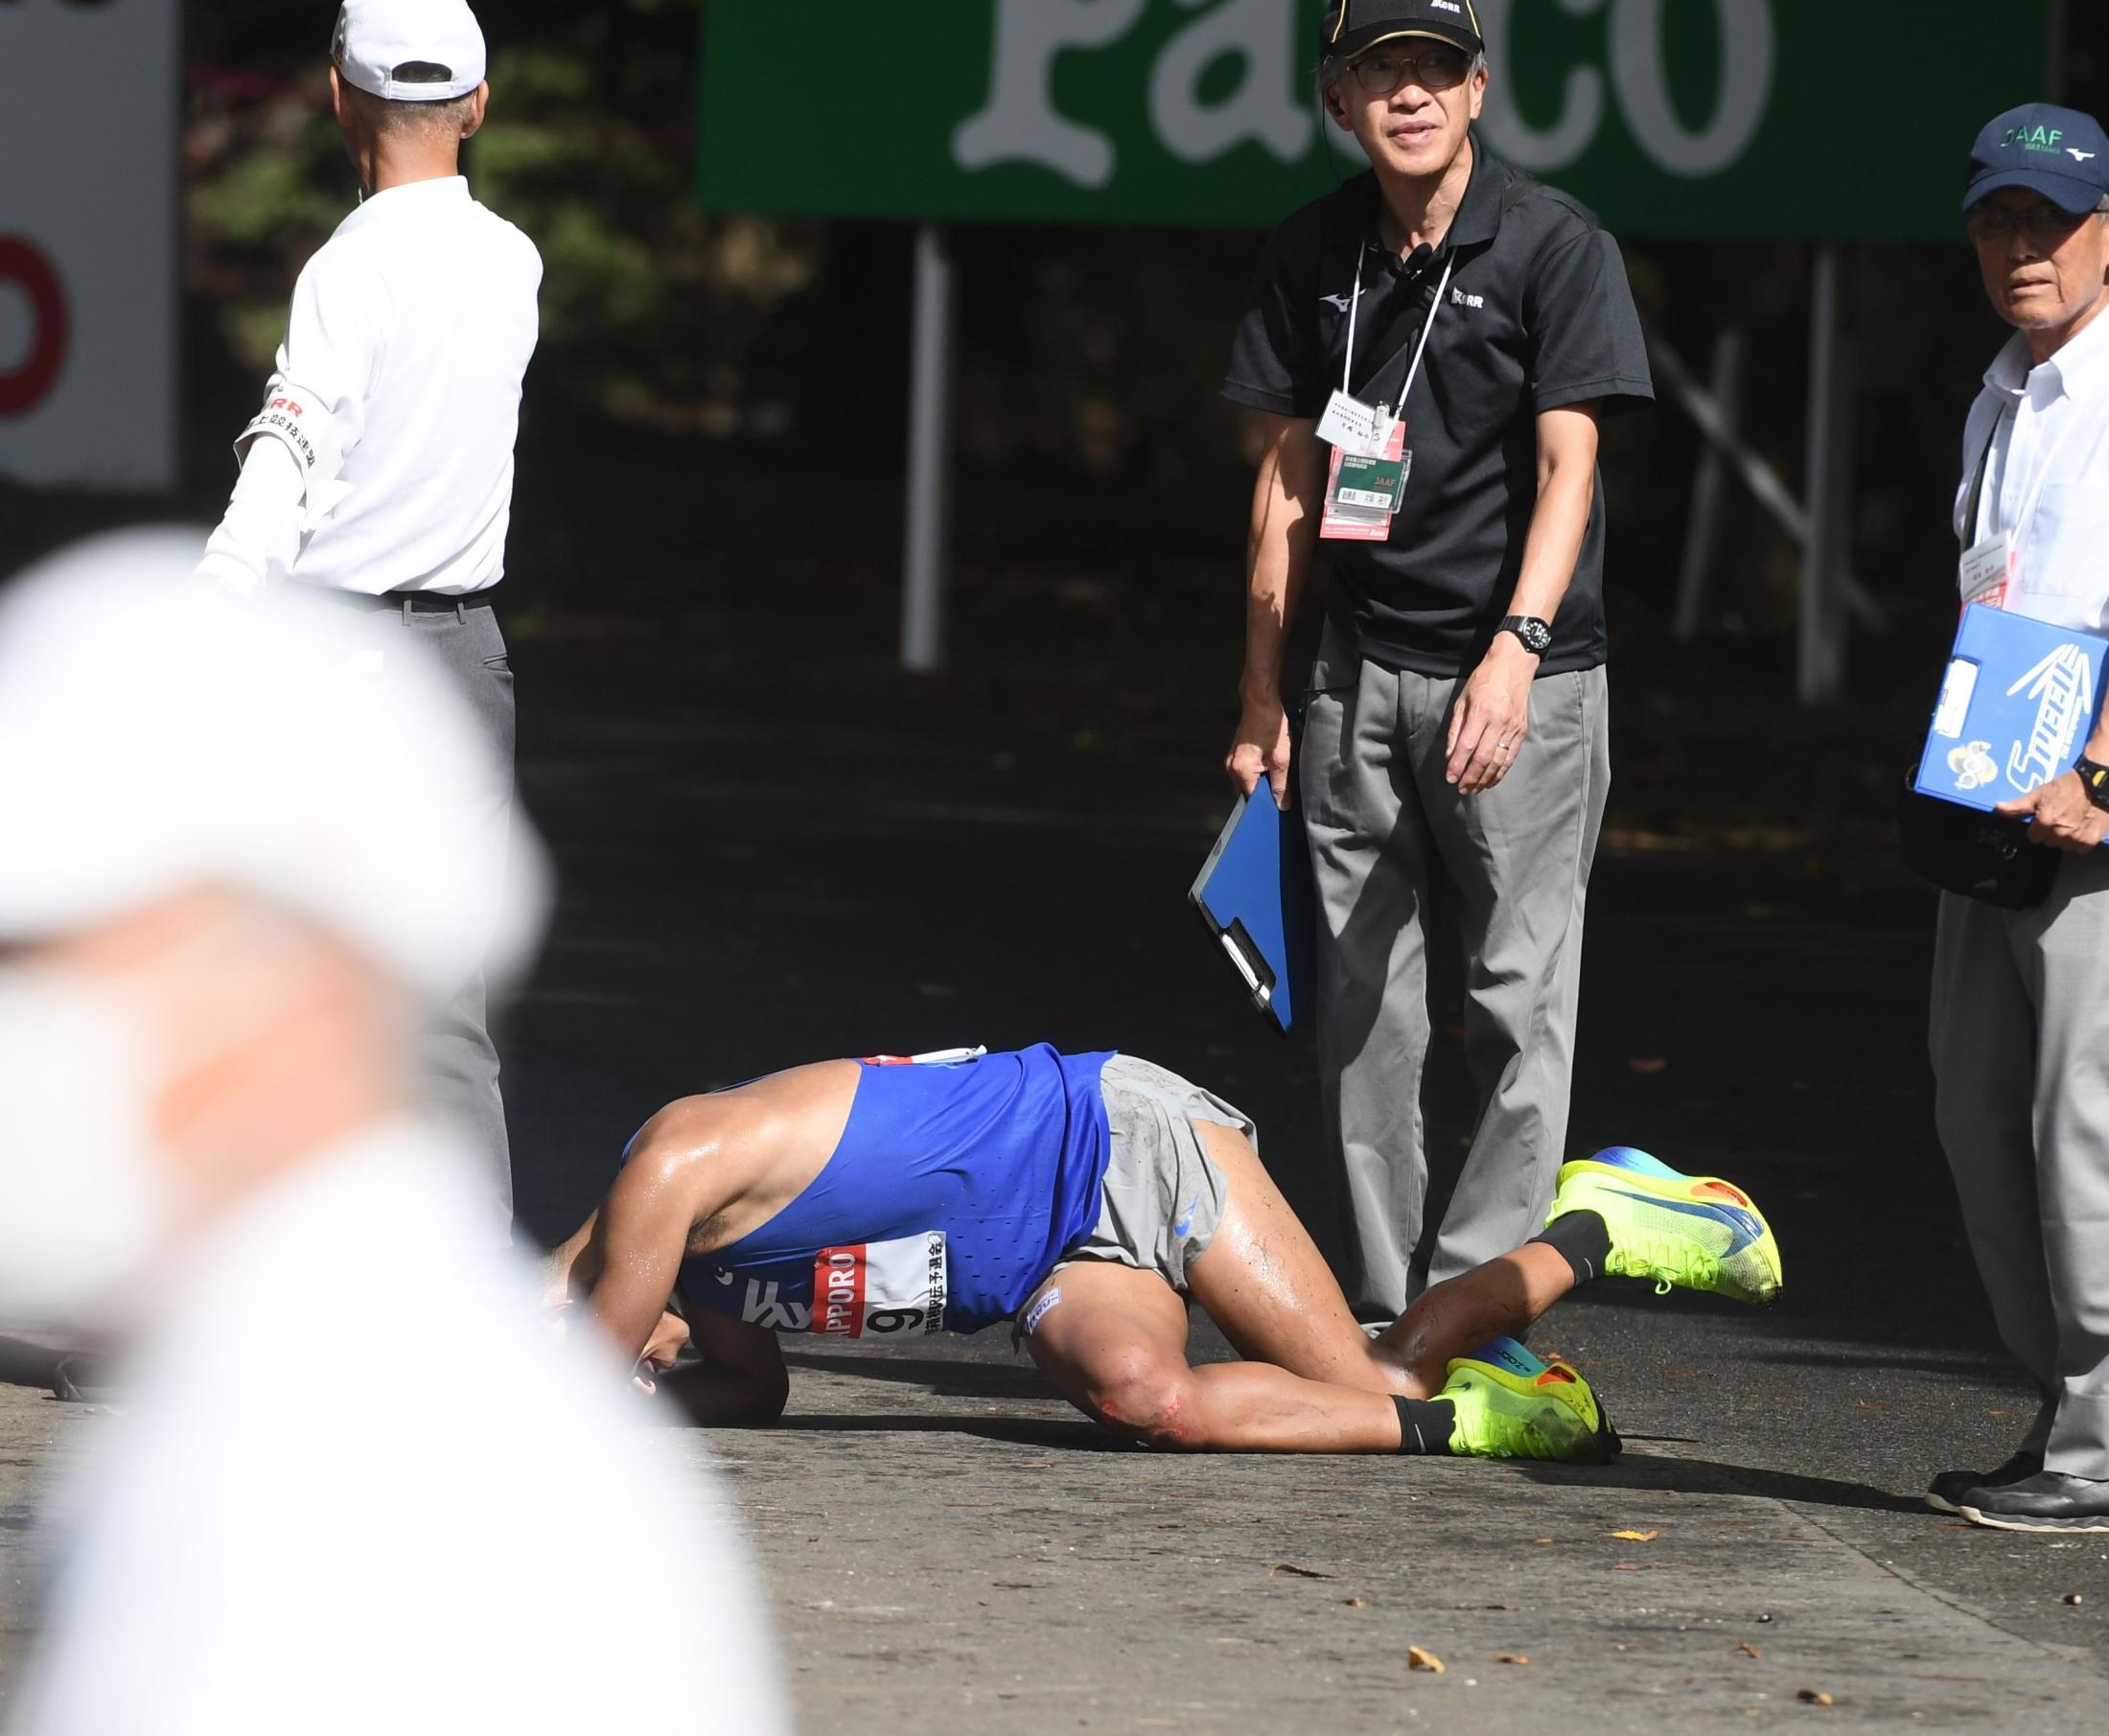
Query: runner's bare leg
x=1114 y=1343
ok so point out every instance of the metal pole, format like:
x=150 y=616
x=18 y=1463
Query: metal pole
x=1820 y=663
x=1702 y=537
x=930 y=430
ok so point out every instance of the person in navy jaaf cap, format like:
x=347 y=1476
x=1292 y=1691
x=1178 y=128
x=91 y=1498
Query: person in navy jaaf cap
x=2036 y=173
x=2020 y=1023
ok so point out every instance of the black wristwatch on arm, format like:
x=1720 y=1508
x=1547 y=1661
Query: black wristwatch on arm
x=1536 y=635
x=2093 y=777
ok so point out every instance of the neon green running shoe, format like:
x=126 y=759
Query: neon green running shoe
x=1510 y=1404
x=1695 y=1231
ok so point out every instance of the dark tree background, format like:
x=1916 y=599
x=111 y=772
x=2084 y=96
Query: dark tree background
x=694 y=365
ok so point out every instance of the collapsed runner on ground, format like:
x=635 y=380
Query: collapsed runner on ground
x=1086 y=1196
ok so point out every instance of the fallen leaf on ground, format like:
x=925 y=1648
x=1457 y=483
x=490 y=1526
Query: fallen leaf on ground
x=1541 y=1540
x=1510 y=1657
x=1302 y=1573
x=1418 y=1659
x=1744 y=1646
x=1355 y=1603
x=1815 y=1697
x=1637 y=1537
x=1649 y=1064
x=1865 y=1404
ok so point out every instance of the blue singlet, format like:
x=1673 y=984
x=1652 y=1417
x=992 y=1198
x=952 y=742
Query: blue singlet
x=954 y=1189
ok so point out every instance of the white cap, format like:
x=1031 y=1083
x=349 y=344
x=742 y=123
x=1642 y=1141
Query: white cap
x=156 y=736
x=409 y=51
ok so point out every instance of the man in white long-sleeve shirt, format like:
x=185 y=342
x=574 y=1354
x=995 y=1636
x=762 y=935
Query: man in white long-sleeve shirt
x=381 y=467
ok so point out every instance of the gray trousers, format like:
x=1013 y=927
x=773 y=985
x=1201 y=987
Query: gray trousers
x=459 y=1060
x=1417 y=885
x=2020 y=1040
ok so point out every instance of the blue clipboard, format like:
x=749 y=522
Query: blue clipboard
x=2017 y=706
x=1255 y=895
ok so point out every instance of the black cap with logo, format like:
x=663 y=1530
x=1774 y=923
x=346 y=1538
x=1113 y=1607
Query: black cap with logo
x=1352 y=26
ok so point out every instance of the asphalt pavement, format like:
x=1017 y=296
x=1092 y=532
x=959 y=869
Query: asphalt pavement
x=750 y=882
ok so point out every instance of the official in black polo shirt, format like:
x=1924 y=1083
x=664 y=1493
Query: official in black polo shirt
x=1432 y=347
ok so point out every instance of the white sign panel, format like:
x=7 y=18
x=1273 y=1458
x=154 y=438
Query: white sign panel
x=88 y=154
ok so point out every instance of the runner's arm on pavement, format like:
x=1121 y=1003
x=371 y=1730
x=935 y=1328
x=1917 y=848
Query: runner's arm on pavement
x=741 y=1381
x=632 y=1252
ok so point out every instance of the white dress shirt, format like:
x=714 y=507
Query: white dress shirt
x=2046 y=483
x=360 y=1488
x=411 y=329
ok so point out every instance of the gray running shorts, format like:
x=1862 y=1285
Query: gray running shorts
x=1163 y=1195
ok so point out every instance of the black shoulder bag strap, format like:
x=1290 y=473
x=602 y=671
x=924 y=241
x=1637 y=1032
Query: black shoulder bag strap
x=1983 y=856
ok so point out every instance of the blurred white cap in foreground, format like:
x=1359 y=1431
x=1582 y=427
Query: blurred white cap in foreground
x=155 y=737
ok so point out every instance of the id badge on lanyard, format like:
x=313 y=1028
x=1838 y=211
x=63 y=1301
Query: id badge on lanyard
x=1987 y=571
x=1371 y=462
x=1363 y=494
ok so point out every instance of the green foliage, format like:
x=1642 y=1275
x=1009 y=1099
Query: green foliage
x=651 y=311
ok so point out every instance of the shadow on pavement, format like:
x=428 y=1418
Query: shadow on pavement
x=1016 y=1431
x=945 y=1377
x=1993 y=1370
x=1710 y=1476
x=28 y=1364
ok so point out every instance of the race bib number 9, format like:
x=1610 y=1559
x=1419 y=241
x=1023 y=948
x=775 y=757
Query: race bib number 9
x=880 y=1289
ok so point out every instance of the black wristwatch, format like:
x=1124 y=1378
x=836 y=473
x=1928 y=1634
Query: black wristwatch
x=2094 y=778
x=1536 y=635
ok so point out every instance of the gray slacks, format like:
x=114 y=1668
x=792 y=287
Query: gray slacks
x=459 y=1059
x=1417 y=885
x=2020 y=1041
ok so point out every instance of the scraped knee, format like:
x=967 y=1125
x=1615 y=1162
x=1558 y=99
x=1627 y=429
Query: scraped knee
x=1138 y=1394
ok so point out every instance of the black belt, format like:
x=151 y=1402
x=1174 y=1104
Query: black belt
x=431 y=602
x=410 y=602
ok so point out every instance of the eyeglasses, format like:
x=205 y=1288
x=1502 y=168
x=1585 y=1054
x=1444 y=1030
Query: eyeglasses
x=1436 y=67
x=2041 y=222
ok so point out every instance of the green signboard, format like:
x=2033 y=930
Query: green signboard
x=1817 y=119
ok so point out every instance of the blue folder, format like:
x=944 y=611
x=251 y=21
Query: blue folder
x=2016 y=709
x=1253 y=893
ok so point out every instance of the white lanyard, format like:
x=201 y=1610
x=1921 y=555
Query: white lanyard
x=1355 y=308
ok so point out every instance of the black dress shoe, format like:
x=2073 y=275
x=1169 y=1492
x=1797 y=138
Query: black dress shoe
x=2048 y=1501
x=1951 y=1485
